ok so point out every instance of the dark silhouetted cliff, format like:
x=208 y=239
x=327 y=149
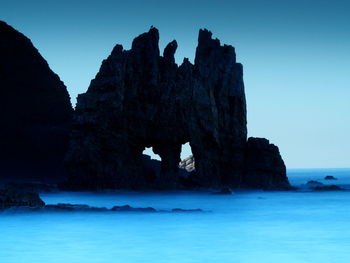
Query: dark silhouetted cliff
x=35 y=111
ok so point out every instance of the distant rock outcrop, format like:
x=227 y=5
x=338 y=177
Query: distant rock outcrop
x=330 y=177
x=313 y=182
x=35 y=111
x=141 y=99
x=188 y=164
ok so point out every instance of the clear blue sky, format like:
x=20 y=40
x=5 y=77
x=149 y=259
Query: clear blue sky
x=296 y=57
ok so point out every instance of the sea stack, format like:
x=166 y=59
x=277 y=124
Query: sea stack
x=35 y=111
x=141 y=99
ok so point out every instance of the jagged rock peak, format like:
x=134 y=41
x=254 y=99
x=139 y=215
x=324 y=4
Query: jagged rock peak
x=209 y=49
x=205 y=38
x=117 y=50
x=169 y=51
x=149 y=40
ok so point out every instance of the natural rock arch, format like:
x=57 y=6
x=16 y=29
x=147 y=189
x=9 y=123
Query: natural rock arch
x=141 y=99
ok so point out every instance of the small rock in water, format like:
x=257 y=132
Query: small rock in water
x=224 y=191
x=127 y=208
x=186 y=210
x=328 y=188
x=330 y=177
x=74 y=207
x=314 y=182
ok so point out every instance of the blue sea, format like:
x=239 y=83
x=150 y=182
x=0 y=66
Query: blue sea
x=247 y=226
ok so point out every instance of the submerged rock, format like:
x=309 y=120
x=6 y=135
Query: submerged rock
x=186 y=210
x=141 y=99
x=35 y=111
x=30 y=205
x=127 y=208
x=328 y=188
x=330 y=177
x=224 y=191
x=312 y=182
x=75 y=207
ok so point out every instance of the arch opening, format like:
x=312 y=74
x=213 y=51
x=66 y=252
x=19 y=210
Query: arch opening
x=149 y=151
x=151 y=163
x=187 y=160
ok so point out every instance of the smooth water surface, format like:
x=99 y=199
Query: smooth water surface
x=248 y=226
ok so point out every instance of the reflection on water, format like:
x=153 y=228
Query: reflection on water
x=249 y=226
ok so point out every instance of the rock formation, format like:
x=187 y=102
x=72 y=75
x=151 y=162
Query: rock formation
x=328 y=188
x=140 y=99
x=12 y=197
x=264 y=166
x=329 y=177
x=63 y=207
x=313 y=182
x=188 y=164
x=35 y=111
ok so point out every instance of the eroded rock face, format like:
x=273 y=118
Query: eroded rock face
x=35 y=110
x=263 y=168
x=140 y=99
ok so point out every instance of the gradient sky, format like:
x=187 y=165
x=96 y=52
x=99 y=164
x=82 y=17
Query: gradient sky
x=296 y=58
